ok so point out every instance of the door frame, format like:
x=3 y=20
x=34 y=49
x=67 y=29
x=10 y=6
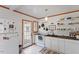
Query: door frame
x=23 y=33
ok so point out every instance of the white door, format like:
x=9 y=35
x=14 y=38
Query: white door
x=27 y=33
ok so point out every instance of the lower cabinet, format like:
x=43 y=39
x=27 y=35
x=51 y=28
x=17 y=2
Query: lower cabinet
x=63 y=46
x=71 y=47
x=48 y=43
x=36 y=39
x=54 y=44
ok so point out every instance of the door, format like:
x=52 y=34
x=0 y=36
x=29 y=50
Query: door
x=27 y=33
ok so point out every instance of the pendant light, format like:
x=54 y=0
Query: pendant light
x=46 y=18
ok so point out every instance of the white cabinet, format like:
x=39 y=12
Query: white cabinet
x=71 y=47
x=54 y=44
x=61 y=45
x=48 y=42
x=36 y=38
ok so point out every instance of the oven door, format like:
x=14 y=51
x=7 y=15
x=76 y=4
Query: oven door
x=40 y=41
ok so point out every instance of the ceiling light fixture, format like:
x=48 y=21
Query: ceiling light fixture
x=46 y=18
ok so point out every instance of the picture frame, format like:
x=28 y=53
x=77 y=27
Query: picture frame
x=52 y=27
x=35 y=26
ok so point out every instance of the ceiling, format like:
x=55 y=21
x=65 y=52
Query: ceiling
x=39 y=10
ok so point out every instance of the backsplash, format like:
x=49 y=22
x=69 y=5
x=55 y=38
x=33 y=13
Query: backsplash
x=45 y=28
x=61 y=27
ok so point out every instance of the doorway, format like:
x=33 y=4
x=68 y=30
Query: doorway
x=27 y=37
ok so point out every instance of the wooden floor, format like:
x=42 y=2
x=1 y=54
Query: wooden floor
x=34 y=49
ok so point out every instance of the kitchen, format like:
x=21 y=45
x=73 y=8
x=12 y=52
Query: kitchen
x=64 y=38
x=40 y=29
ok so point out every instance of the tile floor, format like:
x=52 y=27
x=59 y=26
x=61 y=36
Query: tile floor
x=32 y=50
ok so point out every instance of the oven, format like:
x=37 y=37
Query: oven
x=40 y=40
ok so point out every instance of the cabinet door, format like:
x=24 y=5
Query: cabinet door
x=36 y=38
x=61 y=45
x=71 y=47
x=54 y=44
x=48 y=42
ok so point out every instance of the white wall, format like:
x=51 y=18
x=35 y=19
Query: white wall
x=7 y=14
x=57 y=18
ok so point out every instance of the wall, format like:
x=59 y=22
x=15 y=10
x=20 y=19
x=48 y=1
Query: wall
x=57 y=18
x=10 y=15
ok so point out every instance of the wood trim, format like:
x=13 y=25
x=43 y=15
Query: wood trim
x=27 y=20
x=29 y=46
x=25 y=14
x=18 y=12
x=23 y=29
x=64 y=13
x=4 y=7
x=61 y=14
x=22 y=33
